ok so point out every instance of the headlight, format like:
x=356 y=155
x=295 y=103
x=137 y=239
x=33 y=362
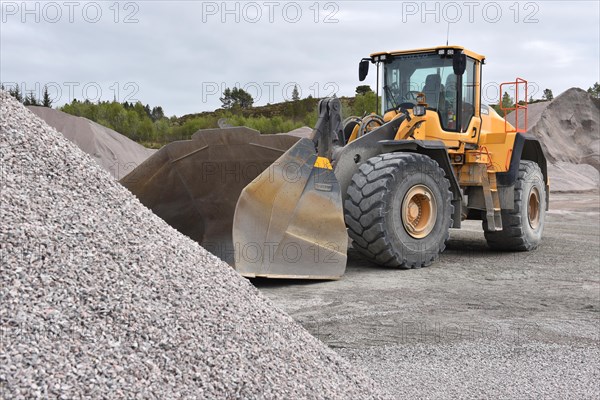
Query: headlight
x=419 y=110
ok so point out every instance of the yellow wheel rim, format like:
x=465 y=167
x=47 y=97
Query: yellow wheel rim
x=419 y=211
x=533 y=208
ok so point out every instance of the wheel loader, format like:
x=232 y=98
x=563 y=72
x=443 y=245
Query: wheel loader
x=279 y=206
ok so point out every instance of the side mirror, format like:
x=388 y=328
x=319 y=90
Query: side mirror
x=363 y=69
x=459 y=63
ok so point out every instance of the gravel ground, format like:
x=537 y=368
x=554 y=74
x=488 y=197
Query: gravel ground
x=101 y=299
x=478 y=323
x=484 y=369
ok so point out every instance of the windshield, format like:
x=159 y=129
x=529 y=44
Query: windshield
x=405 y=76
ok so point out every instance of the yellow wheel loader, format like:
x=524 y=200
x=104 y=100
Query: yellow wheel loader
x=283 y=207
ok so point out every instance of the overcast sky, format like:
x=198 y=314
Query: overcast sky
x=182 y=54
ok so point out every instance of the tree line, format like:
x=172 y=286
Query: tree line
x=149 y=125
x=137 y=121
x=29 y=99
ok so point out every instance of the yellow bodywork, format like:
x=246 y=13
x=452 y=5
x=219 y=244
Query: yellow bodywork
x=323 y=162
x=487 y=140
x=468 y=52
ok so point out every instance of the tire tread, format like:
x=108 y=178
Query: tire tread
x=512 y=236
x=365 y=209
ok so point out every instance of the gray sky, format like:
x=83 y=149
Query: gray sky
x=182 y=54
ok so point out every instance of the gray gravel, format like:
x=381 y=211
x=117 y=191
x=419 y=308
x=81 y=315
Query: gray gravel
x=484 y=370
x=479 y=324
x=116 y=153
x=571 y=140
x=102 y=299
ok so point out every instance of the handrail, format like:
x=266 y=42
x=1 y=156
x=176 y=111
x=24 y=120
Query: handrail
x=517 y=106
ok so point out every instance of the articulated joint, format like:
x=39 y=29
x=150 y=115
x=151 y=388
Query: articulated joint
x=328 y=131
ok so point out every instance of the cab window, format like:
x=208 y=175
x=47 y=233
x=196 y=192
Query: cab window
x=468 y=94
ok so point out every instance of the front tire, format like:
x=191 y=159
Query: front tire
x=399 y=210
x=522 y=226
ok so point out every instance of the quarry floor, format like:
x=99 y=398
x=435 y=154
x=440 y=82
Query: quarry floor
x=472 y=298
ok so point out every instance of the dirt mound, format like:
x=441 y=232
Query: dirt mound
x=102 y=299
x=534 y=113
x=568 y=128
x=569 y=177
x=116 y=153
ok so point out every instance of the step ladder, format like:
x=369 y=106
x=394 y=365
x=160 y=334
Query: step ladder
x=492 y=202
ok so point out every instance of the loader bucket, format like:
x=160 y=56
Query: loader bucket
x=194 y=184
x=289 y=221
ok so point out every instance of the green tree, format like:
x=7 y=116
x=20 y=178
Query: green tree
x=295 y=94
x=30 y=100
x=132 y=124
x=363 y=89
x=147 y=130
x=116 y=115
x=140 y=110
x=157 y=114
x=244 y=99
x=162 y=127
x=507 y=102
x=595 y=90
x=16 y=93
x=227 y=99
x=46 y=101
x=236 y=97
x=548 y=94
x=365 y=103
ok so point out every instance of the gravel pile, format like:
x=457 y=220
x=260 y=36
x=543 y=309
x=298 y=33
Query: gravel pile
x=569 y=129
x=569 y=177
x=116 y=153
x=102 y=299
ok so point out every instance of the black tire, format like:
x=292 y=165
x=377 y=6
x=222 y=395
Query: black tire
x=518 y=233
x=348 y=126
x=373 y=210
x=369 y=123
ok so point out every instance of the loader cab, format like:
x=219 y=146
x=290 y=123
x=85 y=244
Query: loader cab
x=448 y=77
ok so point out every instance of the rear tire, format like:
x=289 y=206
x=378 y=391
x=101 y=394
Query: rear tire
x=399 y=209
x=369 y=123
x=524 y=224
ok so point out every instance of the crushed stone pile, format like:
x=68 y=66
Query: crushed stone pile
x=569 y=177
x=569 y=129
x=102 y=299
x=113 y=151
x=534 y=113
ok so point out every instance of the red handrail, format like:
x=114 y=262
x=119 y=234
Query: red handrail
x=517 y=107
